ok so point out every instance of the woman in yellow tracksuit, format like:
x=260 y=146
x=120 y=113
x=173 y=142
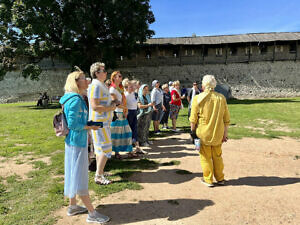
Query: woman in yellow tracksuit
x=209 y=121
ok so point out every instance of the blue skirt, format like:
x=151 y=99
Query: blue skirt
x=121 y=135
x=76 y=171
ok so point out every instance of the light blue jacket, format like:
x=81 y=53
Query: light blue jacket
x=76 y=113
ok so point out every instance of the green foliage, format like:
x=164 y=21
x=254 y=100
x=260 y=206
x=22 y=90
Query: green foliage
x=78 y=31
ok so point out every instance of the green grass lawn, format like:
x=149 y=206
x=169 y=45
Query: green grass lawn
x=26 y=130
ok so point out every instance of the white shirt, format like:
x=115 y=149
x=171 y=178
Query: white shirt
x=131 y=100
x=113 y=90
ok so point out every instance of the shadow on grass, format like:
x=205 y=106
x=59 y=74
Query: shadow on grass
x=172 y=176
x=172 y=209
x=258 y=101
x=141 y=164
x=263 y=181
x=50 y=106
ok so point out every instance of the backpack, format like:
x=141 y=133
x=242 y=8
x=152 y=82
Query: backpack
x=60 y=124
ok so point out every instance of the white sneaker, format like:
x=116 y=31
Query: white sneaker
x=175 y=130
x=97 y=218
x=207 y=184
x=76 y=209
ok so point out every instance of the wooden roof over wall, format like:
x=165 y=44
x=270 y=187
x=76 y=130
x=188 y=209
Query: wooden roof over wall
x=226 y=39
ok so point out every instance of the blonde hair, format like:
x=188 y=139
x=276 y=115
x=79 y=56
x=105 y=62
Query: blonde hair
x=177 y=82
x=125 y=82
x=71 y=85
x=164 y=86
x=95 y=67
x=115 y=73
x=209 y=82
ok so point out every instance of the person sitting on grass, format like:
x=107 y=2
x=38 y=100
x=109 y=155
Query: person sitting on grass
x=209 y=122
x=76 y=152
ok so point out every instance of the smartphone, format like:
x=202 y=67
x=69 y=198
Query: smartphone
x=93 y=123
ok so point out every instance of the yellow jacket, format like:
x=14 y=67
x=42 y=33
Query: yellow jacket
x=210 y=114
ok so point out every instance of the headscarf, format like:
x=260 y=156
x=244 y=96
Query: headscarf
x=141 y=99
x=120 y=89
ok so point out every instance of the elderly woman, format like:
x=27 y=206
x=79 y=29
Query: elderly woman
x=101 y=110
x=121 y=133
x=167 y=100
x=76 y=152
x=175 y=104
x=158 y=107
x=209 y=122
x=144 y=115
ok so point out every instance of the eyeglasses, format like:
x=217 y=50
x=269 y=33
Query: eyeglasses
x=81 y=78
x=101 y=71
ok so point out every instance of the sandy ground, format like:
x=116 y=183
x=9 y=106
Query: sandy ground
x=263 y=187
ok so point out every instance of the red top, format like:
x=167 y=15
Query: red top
x=178 y=102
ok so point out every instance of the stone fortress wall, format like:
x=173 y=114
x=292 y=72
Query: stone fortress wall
x=247 y=80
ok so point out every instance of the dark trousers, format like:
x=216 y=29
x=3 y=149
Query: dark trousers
x=165 y=117
x=132 y=120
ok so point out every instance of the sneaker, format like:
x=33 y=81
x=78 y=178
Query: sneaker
x=175 y=130
x=76 y=209
x=157 y=132
x=221 y=182
x=97 y=217
x=145 y=144
x=164 y=128
x=100 y=179
x=207 y=184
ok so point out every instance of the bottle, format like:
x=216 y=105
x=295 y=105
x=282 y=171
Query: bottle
x=197 y=144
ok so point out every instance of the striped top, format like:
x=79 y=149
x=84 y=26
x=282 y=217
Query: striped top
x=98 y=90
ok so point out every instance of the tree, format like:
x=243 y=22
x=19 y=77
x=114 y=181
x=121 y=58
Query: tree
x=79 y=32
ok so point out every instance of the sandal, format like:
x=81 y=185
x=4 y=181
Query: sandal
x=107 y=174
x=141 y=152
x=118 y=156
x=100 y=179
x=132 y=155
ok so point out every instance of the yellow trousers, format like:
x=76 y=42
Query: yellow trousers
x=211 y=163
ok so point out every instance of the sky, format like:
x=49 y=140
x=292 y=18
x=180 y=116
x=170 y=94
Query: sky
x=183 y=18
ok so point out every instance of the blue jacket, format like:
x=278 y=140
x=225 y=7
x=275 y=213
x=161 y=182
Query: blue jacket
x=76 y=113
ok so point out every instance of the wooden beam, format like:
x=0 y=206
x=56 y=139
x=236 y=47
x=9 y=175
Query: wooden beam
x=249 y=52
x=203 y=54
x=296 y=55
x=274 y=51
x=226 y=54
x=180 y=54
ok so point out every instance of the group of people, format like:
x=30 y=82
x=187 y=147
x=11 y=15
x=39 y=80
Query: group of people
x=125 y=108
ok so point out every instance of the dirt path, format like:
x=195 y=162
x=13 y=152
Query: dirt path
x=263 y=187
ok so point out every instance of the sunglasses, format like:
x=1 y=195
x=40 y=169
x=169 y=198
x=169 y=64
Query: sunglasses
x=101 y=71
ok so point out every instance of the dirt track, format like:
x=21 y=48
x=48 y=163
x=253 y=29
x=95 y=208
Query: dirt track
x=263 y=187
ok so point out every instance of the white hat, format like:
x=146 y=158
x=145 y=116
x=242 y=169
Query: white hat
x=154 y=83
x=170 y=83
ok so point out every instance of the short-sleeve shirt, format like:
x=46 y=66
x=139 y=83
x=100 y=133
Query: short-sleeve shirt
x=114 y=91
x=178 y=102
x=98 y=90
x=157 y=96
x=131 y=101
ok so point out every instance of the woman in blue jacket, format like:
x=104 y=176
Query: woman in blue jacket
x=76 y=152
